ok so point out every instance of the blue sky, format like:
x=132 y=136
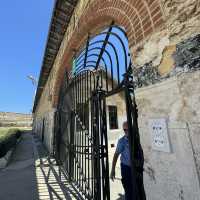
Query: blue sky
x=97 y=42
x=23 y=33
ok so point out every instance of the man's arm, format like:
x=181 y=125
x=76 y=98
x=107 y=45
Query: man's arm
x=115 y=157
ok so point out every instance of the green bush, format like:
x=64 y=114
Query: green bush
x=8 y=139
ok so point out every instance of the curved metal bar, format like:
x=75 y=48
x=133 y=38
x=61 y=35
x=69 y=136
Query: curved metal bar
x=80 y=61
x=118 y=37
x=115 y=52
x=103 y=61
x=83 y=50
x=106 y=68
x=82 y=66
x=114 y=26
x=116 y=56
x=96 y=55
x=91 y=55
x=79 y=57
x=93 y=66
x=89 y=50
x=122 y=43
x=101 y=41
x=111 y=44
x=108 y=54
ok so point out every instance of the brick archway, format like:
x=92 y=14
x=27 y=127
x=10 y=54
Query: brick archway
x=139 y=18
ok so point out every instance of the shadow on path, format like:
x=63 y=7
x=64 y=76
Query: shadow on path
x=32 y=175
x=52 y=183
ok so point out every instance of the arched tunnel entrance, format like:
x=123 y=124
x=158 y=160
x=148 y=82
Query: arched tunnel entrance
x=96 y=97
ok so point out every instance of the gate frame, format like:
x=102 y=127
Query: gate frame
x=131 y=109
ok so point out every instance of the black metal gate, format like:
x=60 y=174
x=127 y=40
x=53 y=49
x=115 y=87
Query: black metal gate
x=102 y=68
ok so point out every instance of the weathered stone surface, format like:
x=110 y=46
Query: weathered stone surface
x=167 y=63
x=45 y=123
x=163 y=177
x=183 y=21
x=182 y=18
x=190 y=90
x=152 y=50
x=152 y=101
x=183 y=57
x=145 y=75
x=187 y=55
x=194 y=134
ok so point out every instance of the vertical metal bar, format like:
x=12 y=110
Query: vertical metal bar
x=118 y=79
x=81 y=130
x=82 y=124
x=101 y=145
x=92 y=149
x=90 y=136
x=74 y=128
x=85 y=135
x=79 y=108
x=131 y=136
x=117 y=60
x=106 y=79
x=107 y=182
x=77 y=135
x=104 y=45
x=134 y=138
x=96 y=148
x=85 y=62
x=101 y=76
x=71 y=153
x=76 y=89
x=87 y=141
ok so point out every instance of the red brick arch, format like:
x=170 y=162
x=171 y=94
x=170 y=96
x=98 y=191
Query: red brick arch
x=139 y=18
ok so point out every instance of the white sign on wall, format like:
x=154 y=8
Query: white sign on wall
x=159 y=134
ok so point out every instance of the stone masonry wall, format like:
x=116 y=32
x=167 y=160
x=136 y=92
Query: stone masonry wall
x=167 y=74
x=172 y=175
x=45 y=123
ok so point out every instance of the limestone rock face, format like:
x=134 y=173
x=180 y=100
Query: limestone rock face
x=182 y=20
x=182 y=17
x=167 y=62
x=177 y=100
x=189 y=87
x=152 y=50
x=187 y=55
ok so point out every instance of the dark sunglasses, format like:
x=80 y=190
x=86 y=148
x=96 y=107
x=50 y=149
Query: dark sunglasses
x=125 y=129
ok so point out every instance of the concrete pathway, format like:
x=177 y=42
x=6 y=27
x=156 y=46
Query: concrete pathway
x=32 y=175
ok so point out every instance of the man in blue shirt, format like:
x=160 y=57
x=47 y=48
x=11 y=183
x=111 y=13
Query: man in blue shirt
x=123 y=149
